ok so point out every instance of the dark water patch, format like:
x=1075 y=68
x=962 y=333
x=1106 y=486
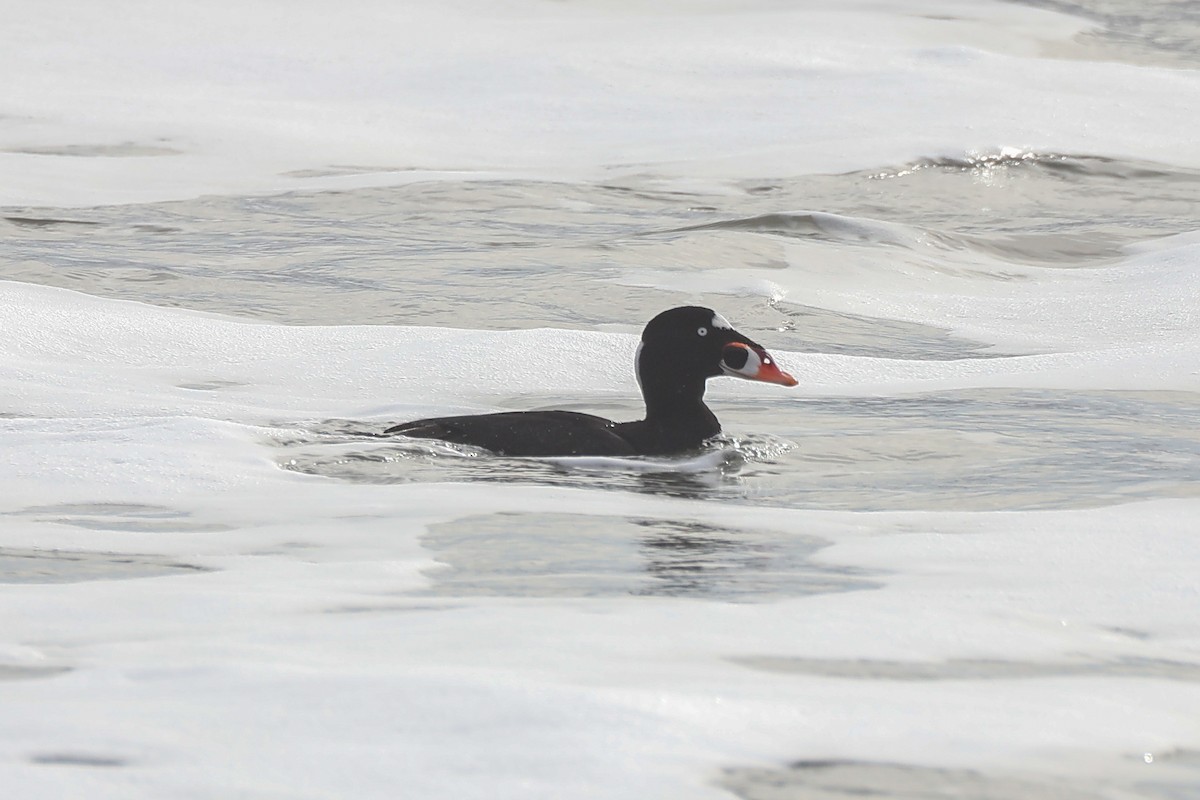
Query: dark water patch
x=973 y=669
x=119 y=517
x=799 y=224
x=145 y=228
x=1129 y=633
x=45 y=222
x=835 y=779
x=491 y=255
x=1045 y=248
x=1029 y=208
x=41 y=566
x=106 y=510
x=579 y=555
x=70 y=759
x=1164 y=33
x=21 y=672
x=520 y=254
x=214 y=385
x=980 y=450
x=121 y=150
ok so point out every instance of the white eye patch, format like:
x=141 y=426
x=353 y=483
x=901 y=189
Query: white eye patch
x=702 y=331
x=740 y=362
x=720 y=322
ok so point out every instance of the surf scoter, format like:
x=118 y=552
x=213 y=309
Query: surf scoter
x=680 y=350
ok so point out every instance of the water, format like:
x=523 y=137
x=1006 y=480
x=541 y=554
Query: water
x=503 y=254
x=494 y=255
x=33 y=566
x=518 y=255
x=500 y=255
x=575 y=555
x=833 y=780
x=1161 y=33
x=975 y=451
x=899 y=579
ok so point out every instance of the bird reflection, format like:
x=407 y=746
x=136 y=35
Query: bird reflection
x=692 y=559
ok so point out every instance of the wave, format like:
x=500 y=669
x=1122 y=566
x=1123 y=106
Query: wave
x=1023 y=207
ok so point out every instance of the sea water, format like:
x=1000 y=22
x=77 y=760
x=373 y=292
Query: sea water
x=959 y=558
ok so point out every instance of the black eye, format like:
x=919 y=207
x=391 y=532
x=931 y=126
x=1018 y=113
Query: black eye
x=735 y=357
x=702 y=331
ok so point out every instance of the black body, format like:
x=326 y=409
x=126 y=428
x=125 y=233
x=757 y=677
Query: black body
x=681 y=349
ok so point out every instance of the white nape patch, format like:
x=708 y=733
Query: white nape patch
x=637 y=363
x=720 y=322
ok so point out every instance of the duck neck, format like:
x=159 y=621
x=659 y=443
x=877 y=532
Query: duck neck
x=674 y=401
x=676 y=417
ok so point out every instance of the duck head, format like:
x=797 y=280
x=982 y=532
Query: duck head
x=687 y=345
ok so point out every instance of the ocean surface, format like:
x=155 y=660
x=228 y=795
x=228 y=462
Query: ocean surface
x=959 y=559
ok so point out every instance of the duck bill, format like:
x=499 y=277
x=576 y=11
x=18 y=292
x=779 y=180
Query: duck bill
x=769 y=373
x=753 y=364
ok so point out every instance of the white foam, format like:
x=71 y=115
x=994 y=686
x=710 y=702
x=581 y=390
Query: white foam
x=699 y=464
x=185 y=103
x=1144 y=302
